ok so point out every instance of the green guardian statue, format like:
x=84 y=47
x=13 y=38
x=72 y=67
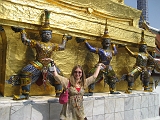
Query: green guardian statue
x=39 y=68
x=143 y=67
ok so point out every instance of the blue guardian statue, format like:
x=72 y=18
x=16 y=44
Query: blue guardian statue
x=105 y=56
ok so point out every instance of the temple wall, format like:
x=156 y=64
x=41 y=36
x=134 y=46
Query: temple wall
x=119 y=1
x=78 y=18
x=20 y=55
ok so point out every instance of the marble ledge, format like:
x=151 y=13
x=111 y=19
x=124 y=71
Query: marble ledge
x=96 y=96
x=101 y=106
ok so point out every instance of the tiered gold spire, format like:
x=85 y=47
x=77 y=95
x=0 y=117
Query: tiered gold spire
x=46 y=25
x=142 y=42
x=106 y=32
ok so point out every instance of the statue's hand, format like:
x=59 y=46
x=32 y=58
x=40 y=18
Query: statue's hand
x=121 y=45
x=79 y=40
x=67 y=37
x=17 y=29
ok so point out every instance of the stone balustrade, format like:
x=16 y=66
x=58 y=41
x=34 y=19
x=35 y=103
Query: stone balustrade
x=101 y=106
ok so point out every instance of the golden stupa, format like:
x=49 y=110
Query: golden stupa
x=78 y=18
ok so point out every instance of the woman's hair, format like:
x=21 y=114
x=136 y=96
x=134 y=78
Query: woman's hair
x=83 y=78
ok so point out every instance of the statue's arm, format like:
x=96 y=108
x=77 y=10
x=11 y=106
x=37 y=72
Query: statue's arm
x=65 y=38
x=114 y=49
x=157 y=66
x=89 y=47
x=153 y=62
x=130 y=52
x=24 y=38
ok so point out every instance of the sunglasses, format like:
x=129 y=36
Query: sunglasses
x=79 y=72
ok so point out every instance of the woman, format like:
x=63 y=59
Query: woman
x=74 y=110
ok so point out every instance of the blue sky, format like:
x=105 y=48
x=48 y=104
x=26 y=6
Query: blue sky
x=153 y=11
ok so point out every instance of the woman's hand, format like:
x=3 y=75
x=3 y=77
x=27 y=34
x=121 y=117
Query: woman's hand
x=101 y=65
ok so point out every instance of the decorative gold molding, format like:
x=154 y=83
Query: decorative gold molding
x=65 y=13
x=90 y=10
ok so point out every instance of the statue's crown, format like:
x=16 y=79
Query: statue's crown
x=105 y=35
x=142 y=42
x=46 y=25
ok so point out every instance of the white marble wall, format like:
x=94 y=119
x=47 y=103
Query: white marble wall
x=102 y=106
x=157 y=89
x=135 y=106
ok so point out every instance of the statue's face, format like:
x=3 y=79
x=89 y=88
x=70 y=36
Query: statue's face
x=46 y=35
x=142 y=48
x=106 y=42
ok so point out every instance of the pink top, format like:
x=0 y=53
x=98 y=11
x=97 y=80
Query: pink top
x=78 y=89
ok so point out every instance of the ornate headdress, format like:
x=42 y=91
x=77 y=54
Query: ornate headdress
x=142 y=42
x=106 y=32
x=46 y=25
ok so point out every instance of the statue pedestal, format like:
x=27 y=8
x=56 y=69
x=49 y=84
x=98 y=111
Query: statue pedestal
x=101 y=106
